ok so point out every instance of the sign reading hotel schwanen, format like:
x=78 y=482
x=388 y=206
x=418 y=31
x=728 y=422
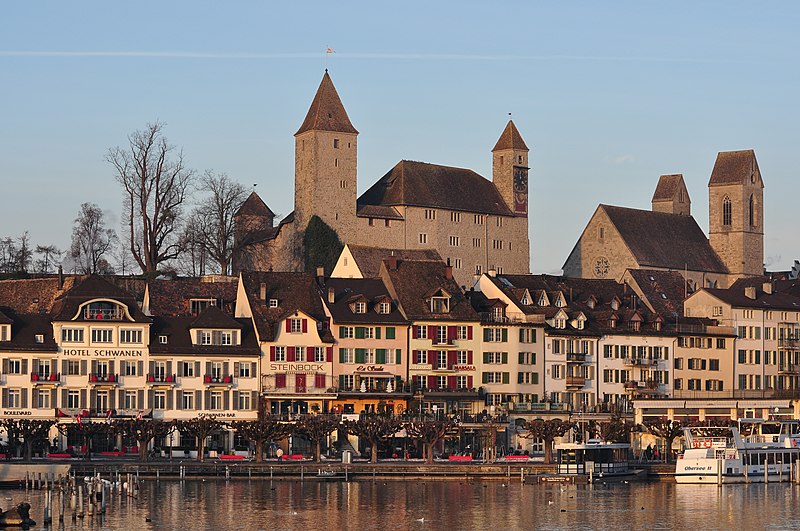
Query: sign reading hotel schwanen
x=104 y=352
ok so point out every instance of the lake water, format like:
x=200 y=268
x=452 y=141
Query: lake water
x=445 y=505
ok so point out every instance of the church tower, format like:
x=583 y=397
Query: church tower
x=736 y=212
x=325 y=164
x=510 y=169
x=671 y=196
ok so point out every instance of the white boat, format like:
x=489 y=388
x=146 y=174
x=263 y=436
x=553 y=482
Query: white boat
x=755 y=450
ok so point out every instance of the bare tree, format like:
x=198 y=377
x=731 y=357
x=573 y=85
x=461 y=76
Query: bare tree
x=214 y=216
x=156 y=184
x=316 y=428
x=49 y=257
x=91 y=241
x=374 y=429
x=547 y=431
x=430 y=432
x=261 y=431
x=667 y=429
x=144 y=431
x=200 y=427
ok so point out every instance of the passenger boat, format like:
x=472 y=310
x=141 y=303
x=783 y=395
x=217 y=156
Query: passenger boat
x=754 y=450
x=593 y=460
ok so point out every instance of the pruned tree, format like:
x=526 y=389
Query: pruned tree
x=614 y=430
x=316 y=428
x=91 y=241
x=429 y=432
x=374 y=429
x=667 y=429
x=27 y=433
x=88 y=431
x=200 y=427
x=143 y=431
x=261 y=431
x=547 y=431
x=488 y=437
x=49 y=257
x=156 y=183
x=213 y=219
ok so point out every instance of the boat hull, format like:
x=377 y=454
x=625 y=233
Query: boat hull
x=14 y=474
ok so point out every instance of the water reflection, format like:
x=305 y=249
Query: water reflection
x=439 y=505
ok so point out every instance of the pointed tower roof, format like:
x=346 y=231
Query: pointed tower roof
x=510 y=139
x=735 y=167
x=668 y=186
x=327 y=112
x=254 y=206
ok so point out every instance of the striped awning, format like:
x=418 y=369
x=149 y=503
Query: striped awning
x=764 y=404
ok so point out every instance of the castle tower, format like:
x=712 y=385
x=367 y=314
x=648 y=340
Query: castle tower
x=510 y=169
x=325 y=163
x=736 y=212
x=253 y=216
x=671 y=196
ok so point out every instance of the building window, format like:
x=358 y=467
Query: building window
x=346 y=355
x=280 y=353
x=163 y=340
x=299 y=354
x=384 y=308
x=440 y=304
x=273 y=303
x=493 y=358
x=187 y=400
x=441 y=360
x=455 y=217
x=130 y=368
x=73 y=367
x=72 y=335
x=73 y=399
x=244 y=401
x=499 y=221
x=462 y=333
x=752 y=211
x=216 y=401
x=14 y=366
x=244 y=370
x=347 y=332
x=296 y=326
x=198 y=305
x=497 y=244
x=423 y=238
x=455 y=241
x=726 y=211
x=160 y=400
x=422 y=332
x=335 y=143
x=430 y=214
x=457 y=263
x=102 y=335
x=188 y=369
x=476 y=242
x=14 y=398
x=479 y=219
x=361 y=307
x=42 y=399
x=130 y=336
x=462 y=357
x=319 y=354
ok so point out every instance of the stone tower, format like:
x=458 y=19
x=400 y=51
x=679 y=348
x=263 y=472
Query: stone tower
x=253 y=216
x=325 y=164
x=510 y=169
x=671 y=196
x=736 y=212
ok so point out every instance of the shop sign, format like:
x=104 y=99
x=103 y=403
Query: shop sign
x=463 y=367
x=296 y=367
x=103 y=352
x=369 y=368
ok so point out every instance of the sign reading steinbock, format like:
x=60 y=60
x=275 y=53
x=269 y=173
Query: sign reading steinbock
x=296 y=367
x=103 y=352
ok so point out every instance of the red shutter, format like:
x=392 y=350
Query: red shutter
x=469 y=332
x=452 y=333
x=452 y=382
x=272 y=353
x=329 y=354
x=432 y=333
x=319 y=381
x=452 y=357
x=415 y=356
x=289 y=353
x=310 y=354
x=280 y=380
x=431 y=382
x=305 y=325
x=414 y=332
x=469 y=382
x=288 y=325
x=469 y=357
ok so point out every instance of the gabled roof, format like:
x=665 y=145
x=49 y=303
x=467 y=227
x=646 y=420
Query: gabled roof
x=293 y=291
x=664 y=240
x=369 y=259
x=668 y=186
x=213 y=317
x=735 y=167
x=327 y=112
x=370 y=289
x=411 y=281
x=510 y=139
x=254 y=206
x=172 y=297
x=664 y=291
x=421 y=184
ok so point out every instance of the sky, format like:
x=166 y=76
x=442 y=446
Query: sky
x=607 y=95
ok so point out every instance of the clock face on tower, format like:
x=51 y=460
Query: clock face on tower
x=601 y=267
x=521 y=180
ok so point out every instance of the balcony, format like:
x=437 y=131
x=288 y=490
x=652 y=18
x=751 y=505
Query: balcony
x=211 y=380
x=575 y=381
x=648 y=387
x=579 y=357
x=161 y=379
x=443 y=341
x=639 y=362
x=52 y=379
x=789 y=343
x=102 y=314
x=103 y=379
x=288 y=389
x=789 y=368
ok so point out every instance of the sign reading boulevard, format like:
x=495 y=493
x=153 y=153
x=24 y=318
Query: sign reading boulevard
x=103 y=352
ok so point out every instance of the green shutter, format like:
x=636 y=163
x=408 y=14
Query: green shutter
x=486 y=357
x=380 y=356
x=505 y=357
x=341 y=381
x=341 y=332
x=533 y=335
x=521 y=359
x=505 y=377
x=520 y=377
x=341 y=354
x=359 y=332
x=390 y=332
x=485 y=377
x=522 y=335
x=398 y=355
x=486 y=334
x=360 y=355
x=535 y=379
x=505 y=335
x=377 y=332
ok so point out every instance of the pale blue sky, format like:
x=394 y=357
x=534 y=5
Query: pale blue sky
x=608 y=96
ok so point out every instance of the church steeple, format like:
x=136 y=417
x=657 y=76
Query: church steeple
x=327 y=112
x=510 y=169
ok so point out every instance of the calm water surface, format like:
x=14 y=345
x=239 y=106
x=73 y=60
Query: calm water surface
x=444 y=505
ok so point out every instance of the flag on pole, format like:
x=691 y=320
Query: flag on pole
x=330 y=50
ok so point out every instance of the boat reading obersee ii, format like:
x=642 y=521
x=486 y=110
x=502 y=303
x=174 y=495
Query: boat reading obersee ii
x=754 y=450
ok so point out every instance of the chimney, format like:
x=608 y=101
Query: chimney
x=750 y=292
x=392 y=263
x=767 y=288
x=320 y=273
x=262 y=294
x=448 y=272
x=492 y=273
x=331 y=296
x=60 y=277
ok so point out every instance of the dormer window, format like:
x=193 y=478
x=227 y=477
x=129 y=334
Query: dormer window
x=615 y=304
x=498 y=313
x=360 y=307
x=657 y=326
x=217 y=337
x=5 y=333
x=162 y=340
x=524 y=300
x=440 y=303
x=273 y=303
x=612 y=323
x=560 y=323
x=384 y=308
x=196 y=306
x=39 y=338
x=103 y=311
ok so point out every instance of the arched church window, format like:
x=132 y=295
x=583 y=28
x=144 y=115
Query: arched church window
x=726 y=211
x=753 y=217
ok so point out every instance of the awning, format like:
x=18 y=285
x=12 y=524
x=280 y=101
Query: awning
x=659 y=404
x=690 y=404
x=744 y=404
